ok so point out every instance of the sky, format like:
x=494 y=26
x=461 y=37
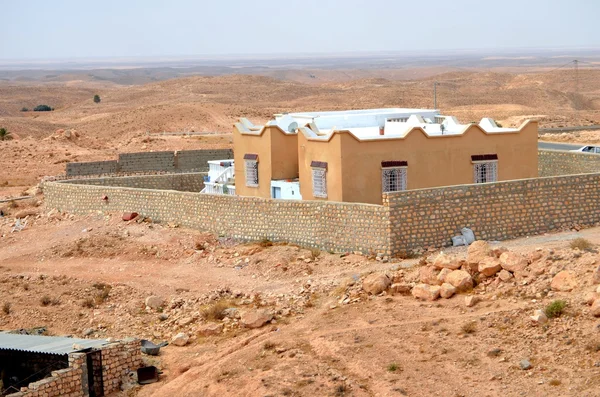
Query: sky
x=71 y=29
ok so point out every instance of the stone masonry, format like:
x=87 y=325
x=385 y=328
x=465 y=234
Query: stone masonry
x=406 y=220
x=189 y=182
x=118 y=360
x=559 y=162
x=151 y=162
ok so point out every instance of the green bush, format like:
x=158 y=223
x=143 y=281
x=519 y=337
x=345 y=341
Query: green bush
x=42 y=108
x=97 y=98
x=555 y=309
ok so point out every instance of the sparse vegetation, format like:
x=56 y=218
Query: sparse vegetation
x=24 y=109
x=43 y=108
x=555 y=308
x=102 y=295
x=268 y=345
x=554 y=382
x=5 y=135
x=314 y=253
x=469 y=328
x=97 y=98
x=393 y=367
x=6 y=308
x=341 y=390
x=45 y=300
x=88 y=303
x=581 y=244
x=216 y=311
x=265 y=242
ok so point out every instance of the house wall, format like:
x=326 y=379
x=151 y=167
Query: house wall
x=329 y=152
x=189 y=182
x=432 y=161
x=277 y=159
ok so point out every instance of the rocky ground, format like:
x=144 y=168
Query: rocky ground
x=512 y=318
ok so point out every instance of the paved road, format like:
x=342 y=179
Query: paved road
x=559 y=130
x=558 y=146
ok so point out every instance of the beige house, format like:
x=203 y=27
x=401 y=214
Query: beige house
x=356 y=156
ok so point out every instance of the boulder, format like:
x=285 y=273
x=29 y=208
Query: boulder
x=497 y=252
x=401 y=288
x=596 y=276
x=155 y=302
x=477 y=251
x=596 y=308
x=590 y=297
x=232 y=313
x=443 y=274
x=429 y=275
x=255 y=319
x=505 y=275
x=447 y=290
x=426 y=292
x=181 y=339
x=460 y=280
x=539 y=317
x=443 y=261
x=376 y=283
x=564 y=281
x=489 y=266
x=471 y=300
x=513 y=262
x=525 y=364
x=210 y=329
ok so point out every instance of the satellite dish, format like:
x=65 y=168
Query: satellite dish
x=293 y=126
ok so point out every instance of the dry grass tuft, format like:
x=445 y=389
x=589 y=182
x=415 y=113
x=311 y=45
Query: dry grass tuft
x=469 y=328
x=581 y=244
x=216 y=311
x=6 y=308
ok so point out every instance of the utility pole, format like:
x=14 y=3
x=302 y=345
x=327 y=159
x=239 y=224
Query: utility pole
x=435 y=83
x=576 y=102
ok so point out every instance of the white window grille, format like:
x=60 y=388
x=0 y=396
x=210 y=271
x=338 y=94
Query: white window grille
x=485 y=171
x=251 y=173
x=319 y=180
x=393 y=179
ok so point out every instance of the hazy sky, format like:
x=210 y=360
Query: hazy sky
x=123 y=28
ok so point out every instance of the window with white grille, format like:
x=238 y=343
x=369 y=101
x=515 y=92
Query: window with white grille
x=251 y=173
x=319 y=180
x=393 y=179
x=485 y=171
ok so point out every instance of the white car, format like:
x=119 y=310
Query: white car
x=588 y=149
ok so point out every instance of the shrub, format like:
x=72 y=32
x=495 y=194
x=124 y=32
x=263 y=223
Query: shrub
x=265 y=242
x=6 y=308
x=45 y=300
x=216 y=311
x=581 y=244
x=96 y=98
x=555 y=309
x=88 y=303
x=102 y=295
x=469 y=328
x=24 y=109
x=314 y=253
x=393 y=367
x=42 y=108
x=5 y=135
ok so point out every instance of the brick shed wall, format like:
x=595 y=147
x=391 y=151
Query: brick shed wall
x=190 y=182
x=559 y=162
x=197 y=160
x=92 y=168
x=495 y=211
x=69 y=382
x=118 y=359
x=324 y=225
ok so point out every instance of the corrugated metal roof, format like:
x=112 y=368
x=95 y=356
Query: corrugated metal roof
x=46 y=344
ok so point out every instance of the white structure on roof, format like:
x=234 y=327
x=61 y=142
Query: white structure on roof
x=220 y=179
x=371 y=123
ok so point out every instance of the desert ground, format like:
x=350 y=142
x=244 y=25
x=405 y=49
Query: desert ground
x=273 y=319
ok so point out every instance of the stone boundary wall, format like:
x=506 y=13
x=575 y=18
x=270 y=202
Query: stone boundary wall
x=328 y=226
x=148 y=162
x=118 y=359
x=495 y=211
x=189 y=182
x=93 y=168
x=561 y=162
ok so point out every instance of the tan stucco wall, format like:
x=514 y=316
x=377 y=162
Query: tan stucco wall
x=329 y=152
x=277 y=159
x=355 y=167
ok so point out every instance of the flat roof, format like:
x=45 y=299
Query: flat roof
x=46 y=344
